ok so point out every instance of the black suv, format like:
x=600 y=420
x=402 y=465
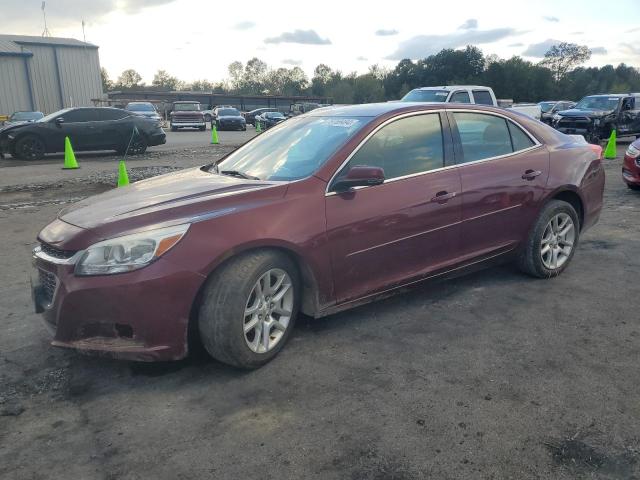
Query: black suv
x=596 y=115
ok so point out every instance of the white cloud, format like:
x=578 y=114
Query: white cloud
x=386 y=33
x=305 y=37
x=245 y=25
x=469 y=24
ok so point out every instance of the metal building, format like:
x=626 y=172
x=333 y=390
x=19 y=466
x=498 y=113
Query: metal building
x=47 y=73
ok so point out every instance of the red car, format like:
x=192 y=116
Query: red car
x=321 y=213
x=631 y=166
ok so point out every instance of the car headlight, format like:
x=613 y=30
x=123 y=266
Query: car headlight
x=633 y=152
x=129 y=252
x=557 y=117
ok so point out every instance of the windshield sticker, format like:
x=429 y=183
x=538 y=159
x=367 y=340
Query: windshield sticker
x=341 y=122
x=613 y=98
x=442 y=94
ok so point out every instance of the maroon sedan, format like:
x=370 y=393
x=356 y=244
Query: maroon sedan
x=631 y=166
x=321 y=213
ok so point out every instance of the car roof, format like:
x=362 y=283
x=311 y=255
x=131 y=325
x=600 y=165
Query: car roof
x=377 y=109
x=453 y=87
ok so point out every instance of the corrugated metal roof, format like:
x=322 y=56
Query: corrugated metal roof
x=11 y=44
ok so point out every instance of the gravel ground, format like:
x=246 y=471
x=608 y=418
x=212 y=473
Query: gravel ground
x=490 y=376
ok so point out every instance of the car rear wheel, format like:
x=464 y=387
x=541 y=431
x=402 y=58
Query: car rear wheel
x=30 y=147
x=138 y=146
x=207 y=118
x=249 y=308
x=552 y=241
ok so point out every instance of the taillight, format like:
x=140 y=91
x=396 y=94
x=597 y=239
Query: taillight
x=632 y=151
x=597 y=149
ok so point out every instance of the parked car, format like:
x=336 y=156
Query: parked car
x=474 y=94
x=330 y=210
x=186 y=114
x=302 y=107
x=18 y=118
x=226 y=118
x=596 y=115
x=99 y=128
x=269 y=119
x=631 y=166
x=250 y=116
x=550 y=107
x=144 y=109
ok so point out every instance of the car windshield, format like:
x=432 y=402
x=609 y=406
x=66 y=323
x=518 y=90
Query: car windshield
x=598 y=103
x=546 y=106
x=293 y=149
x=140 y=107
x=51 y=116
x=25 y=116
x=229 y=112
x=274 y=115
x=426 y=96
x=186 y=107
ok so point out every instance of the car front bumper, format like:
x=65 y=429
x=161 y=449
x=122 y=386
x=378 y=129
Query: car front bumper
x=157 y=138
x=631 y=171
x=141 y=315
x=188 y=124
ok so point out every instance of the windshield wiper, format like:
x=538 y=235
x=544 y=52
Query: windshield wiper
x=237 y=173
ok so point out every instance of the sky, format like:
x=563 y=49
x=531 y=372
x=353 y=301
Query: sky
x=198 y=39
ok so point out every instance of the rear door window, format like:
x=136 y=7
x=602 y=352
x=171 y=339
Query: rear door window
x=519 y=139
x=460 y=97
x=482 y=97
x=105 y=114
x=482 y=136
x=485 y=136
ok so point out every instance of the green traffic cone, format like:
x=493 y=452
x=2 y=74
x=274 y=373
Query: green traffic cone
x=610 y=151
x=214 y=135
x=123 y=176
x=69 y=157
x=258 y=128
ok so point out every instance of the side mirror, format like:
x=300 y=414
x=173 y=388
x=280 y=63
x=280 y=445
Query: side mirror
x=359 y=176
x=59 y=121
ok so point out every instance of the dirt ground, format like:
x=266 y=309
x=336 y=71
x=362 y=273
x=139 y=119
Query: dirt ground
x=491 y=376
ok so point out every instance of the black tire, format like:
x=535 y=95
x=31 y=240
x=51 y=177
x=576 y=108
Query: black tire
x=225 y=296
x=244 y=129
x=30 y=147
x=207 y=118
x=633 y=187
x=529 y=258
x=174 y=129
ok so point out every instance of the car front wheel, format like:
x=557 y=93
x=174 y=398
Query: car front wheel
x=552 y=241
x=30 y=147
x=249 y=307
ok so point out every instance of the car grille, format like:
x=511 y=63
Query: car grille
x=56 y=252
x=49 y=282
x=188 y=119
x=574 y=122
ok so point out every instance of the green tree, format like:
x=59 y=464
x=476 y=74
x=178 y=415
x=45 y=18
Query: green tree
x=107 y=84
x=129 y=79
x=564 y=57
x=164 y=81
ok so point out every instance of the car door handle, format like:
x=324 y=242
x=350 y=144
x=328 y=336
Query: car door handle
x=443 y=197
x=531 y=174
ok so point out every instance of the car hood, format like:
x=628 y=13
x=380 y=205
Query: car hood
x=574 y=112
x=177 y=113
x=167 y=199
x=14 y=126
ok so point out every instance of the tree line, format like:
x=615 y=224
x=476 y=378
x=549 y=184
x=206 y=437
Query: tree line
x=558 y=76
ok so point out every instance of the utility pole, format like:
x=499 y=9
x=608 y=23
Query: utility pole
x=45 y=32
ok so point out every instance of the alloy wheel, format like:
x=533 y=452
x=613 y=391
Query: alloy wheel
x=268 y=310
x=557 y=241
x=32 y=149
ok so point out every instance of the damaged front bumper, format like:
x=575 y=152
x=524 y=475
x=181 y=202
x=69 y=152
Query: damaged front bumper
x=141 y=315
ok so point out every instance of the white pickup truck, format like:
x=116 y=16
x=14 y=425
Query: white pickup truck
x=468 y=94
